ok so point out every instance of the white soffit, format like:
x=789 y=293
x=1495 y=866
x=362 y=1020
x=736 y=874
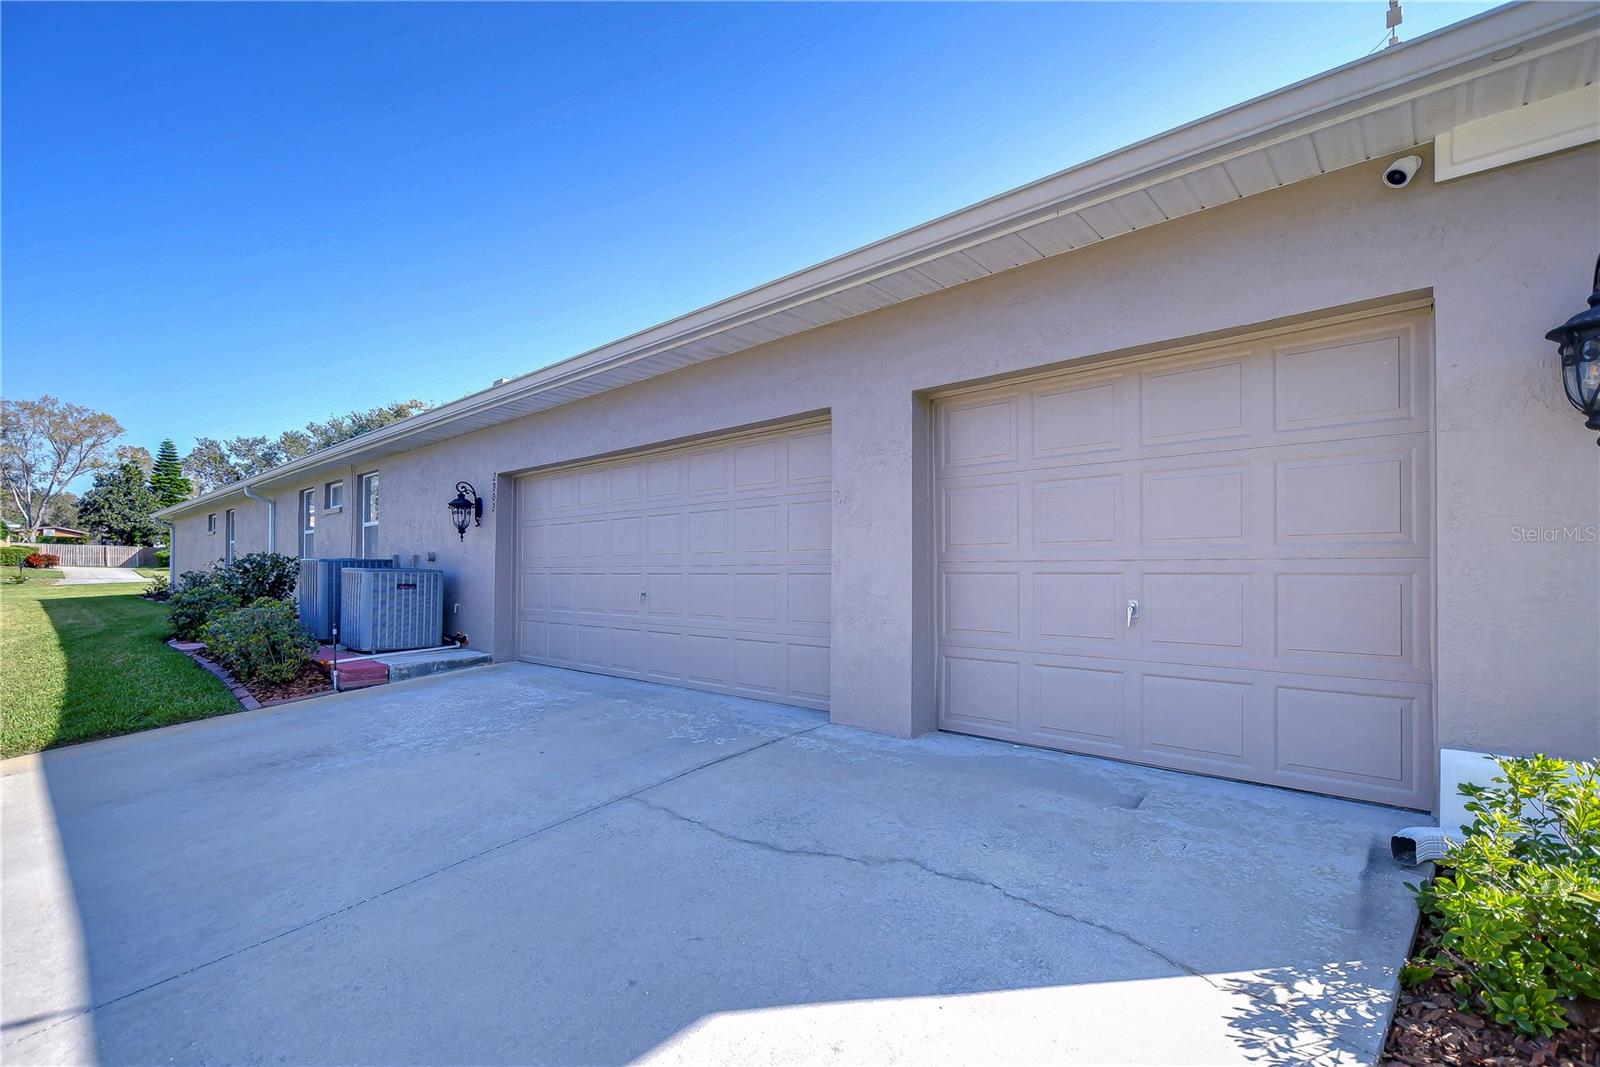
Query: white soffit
x=1499 y=62
x=1542 y=127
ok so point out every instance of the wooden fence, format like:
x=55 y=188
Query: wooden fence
x=101 y=555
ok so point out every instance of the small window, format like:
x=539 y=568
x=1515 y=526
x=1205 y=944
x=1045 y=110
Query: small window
x=211 y=523
x=229 y=542
x=333 y=495
x=308 y=523
x=369 y=515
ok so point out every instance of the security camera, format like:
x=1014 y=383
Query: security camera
x=1398 y=174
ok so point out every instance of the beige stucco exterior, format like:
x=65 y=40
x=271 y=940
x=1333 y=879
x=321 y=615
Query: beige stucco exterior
x=1502 y=256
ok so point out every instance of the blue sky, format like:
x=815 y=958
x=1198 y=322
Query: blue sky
x=232 y=218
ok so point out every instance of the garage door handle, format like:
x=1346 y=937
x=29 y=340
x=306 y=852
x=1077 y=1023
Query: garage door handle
x=1133 y=612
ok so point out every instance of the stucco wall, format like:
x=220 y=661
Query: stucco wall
x=193 y=549
x=1505 y=255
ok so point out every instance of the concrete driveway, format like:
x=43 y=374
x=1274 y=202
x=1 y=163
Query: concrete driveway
x=99 y=576
x=519 y=864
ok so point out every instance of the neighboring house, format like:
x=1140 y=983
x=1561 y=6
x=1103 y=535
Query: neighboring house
x=1216 y=453
x=62 y=531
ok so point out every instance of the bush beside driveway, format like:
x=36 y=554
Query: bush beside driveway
x=87 y=661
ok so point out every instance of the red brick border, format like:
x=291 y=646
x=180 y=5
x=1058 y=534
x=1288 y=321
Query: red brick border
x=194 y=650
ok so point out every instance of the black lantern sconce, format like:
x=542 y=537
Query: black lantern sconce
x=1578 y=339
x=467 y=506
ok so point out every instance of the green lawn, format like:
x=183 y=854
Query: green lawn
x=34 y=574
x=152 y=572
x=84 y=661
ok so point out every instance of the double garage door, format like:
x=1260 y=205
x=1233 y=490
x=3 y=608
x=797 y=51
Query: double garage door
x=706 y=566
x=1212 y=560
x=1216 y=561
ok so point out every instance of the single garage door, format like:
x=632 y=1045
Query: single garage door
x=1215 y=560
x=706 y=566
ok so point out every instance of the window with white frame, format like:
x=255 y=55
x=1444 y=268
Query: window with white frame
x=230 y=529
x=333 y=495
x=308 y=523
x=211 y=523
x=369 y=515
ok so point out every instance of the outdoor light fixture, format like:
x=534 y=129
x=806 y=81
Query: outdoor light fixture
x=467 y=505
x=1578 y=340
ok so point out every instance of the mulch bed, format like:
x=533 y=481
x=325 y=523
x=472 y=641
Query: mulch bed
x=310 y=682
x=1428 y=1030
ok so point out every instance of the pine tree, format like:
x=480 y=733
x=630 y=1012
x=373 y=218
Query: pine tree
x=166 y=477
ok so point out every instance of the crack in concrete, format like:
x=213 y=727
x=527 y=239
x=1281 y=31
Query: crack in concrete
x=67 y=1015
x=954 y=876
x=1335 y=1036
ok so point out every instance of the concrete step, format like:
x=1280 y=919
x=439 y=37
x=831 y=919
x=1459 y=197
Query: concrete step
x=421 y=664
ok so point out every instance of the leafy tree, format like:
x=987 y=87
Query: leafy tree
x=120 y=504
x=134 y=454
x=208 y=465
x=44 y=445
x=344 y=427
x=166 y=477
x=63 y=511
x=213 y=464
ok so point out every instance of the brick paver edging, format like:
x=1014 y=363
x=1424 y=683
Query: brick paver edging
x=195 y=651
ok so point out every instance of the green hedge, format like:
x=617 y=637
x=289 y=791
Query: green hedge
x=13 y=555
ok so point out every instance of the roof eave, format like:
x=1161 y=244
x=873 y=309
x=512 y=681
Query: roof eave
x=1410 y=70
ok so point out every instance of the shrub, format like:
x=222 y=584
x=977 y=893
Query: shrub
x=13 y=555
x=262 y=641
x=63 y=540
x=42 y=559
x=163 y=557
x=1517 y=906
x=158 y=589
x=199 y=600
x=260 y=574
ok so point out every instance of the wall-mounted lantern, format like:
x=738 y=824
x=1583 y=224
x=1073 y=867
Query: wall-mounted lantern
x=466 y=508
x=1578 y=340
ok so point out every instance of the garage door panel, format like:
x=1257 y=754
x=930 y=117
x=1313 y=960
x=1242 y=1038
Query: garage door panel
x=1078 y=420
x=1368 y=497
x=1372 y=379
x=1207 y=505
x=1361 y=738
x=1082 y=513
x=706 y=566
x=1209 y=401
x=1332 y=617
x=1200 y=721
x=1346 y=382
x=981 y=432
x=982 y=692
x=1081 y=706
x=809 y=458
x=809 y=672
x=1269 y=507
x=1078 y=605
x=1325 y=499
